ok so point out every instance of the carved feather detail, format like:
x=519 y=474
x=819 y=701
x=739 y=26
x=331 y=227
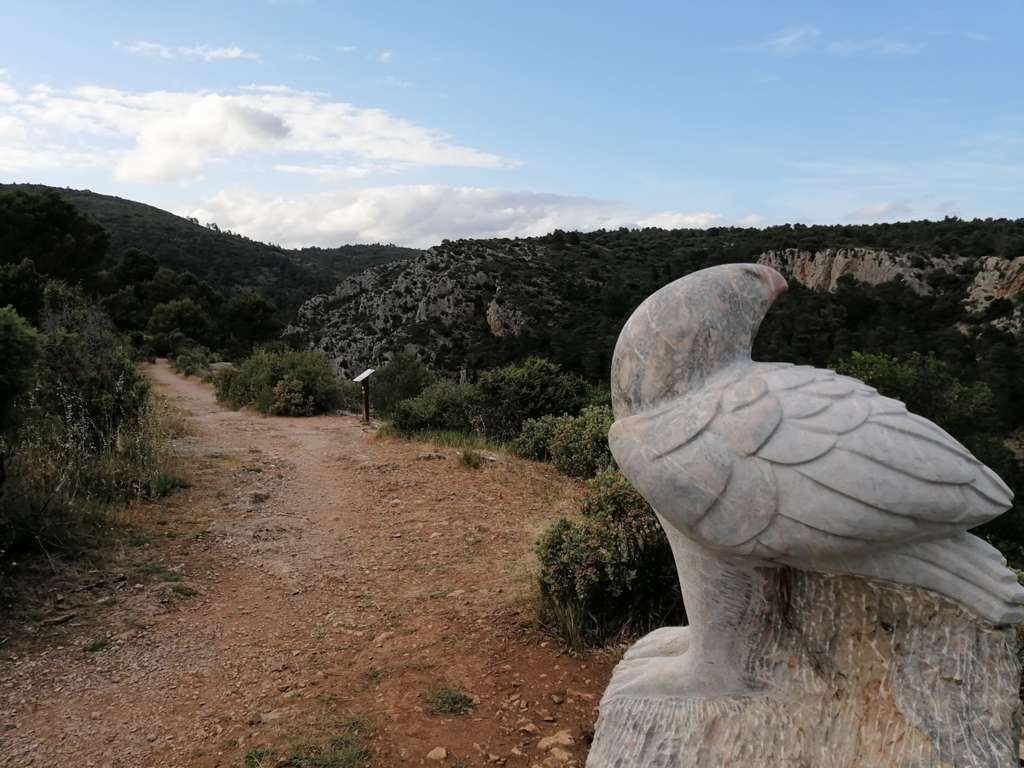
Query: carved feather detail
x=799 y=465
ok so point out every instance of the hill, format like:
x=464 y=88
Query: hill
x=952 y=288
x=225 y=260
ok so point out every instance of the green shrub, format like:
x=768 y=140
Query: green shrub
x=443 y=406
x=60 y=477
x=534 y=442
x=86 y=372
x=579 y=444
x=193 y=360
x=611 y=571
x=19 y=347
x=402 y=378
x=283 y=383
x=508 y=396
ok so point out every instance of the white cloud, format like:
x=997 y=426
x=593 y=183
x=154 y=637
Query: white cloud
x=421 y=215
x=346 y=49
x=177 y=146
x=807 y=39
x=669 y=220
x=172 y=136
x=35 y=157
x=879 y=45
x=204 y=52
x=12 y=129
x=328 y=172
x=881 y=211
x=384 y=57
x=790 y=42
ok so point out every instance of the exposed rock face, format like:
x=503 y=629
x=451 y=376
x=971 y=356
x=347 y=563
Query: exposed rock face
x=504 y=319
x=821 y=270
x=999 y=279
x=441 y=302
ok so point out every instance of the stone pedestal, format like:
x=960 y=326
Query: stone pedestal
x=840 y=672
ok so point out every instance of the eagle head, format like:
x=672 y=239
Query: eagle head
x=689 y=330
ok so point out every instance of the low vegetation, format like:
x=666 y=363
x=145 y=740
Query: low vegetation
x=80 y=430
x=610 y=571
x=346 y=749
x=284 y=383
x=445 y=700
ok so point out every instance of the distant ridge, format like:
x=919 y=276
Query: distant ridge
x=953 y=287
x=226 y=261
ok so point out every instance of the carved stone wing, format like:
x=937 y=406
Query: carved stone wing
x=793 y=462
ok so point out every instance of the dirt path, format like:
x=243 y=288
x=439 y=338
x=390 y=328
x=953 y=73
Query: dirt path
x=312 y=572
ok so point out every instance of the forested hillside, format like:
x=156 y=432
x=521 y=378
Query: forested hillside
x=225 y=260
x=475 y=304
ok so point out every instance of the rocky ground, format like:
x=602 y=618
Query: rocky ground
x=312 y=573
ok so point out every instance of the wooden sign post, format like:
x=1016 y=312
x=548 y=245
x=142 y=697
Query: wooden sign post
x=364 y=380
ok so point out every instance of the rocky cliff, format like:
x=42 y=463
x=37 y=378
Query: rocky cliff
x=994 y=279
x=476 y=303
x=999 y=283
x=444 y=303
x=822 y=270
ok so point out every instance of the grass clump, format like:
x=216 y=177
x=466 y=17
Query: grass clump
x=470 y=458
x=346 y=749
x=97 y=645
x=445 y=700
x=611 y=571
x=158 y=572
x=259 y=758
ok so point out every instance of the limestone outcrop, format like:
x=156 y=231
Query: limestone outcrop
x=822 y=270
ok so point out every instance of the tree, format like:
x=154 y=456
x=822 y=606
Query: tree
x=179 y=319
x=21 y=287
x=250 y=318
x=135 y=267
x=45 y=228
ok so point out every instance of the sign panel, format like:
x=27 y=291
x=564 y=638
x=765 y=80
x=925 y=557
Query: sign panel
x=364 y=375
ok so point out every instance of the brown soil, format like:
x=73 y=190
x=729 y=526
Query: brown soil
x=312 y=572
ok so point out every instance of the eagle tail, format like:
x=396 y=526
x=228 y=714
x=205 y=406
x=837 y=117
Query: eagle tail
x=963 y=568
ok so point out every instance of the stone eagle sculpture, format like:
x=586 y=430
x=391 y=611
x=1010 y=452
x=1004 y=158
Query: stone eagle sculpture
x=753 y=465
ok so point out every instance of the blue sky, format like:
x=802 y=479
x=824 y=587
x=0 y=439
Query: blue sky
x=306 y=122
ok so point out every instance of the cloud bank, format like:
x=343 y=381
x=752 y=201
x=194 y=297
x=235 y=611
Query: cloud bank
x=204 y=52
x=422 y=215
x=173 y=136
